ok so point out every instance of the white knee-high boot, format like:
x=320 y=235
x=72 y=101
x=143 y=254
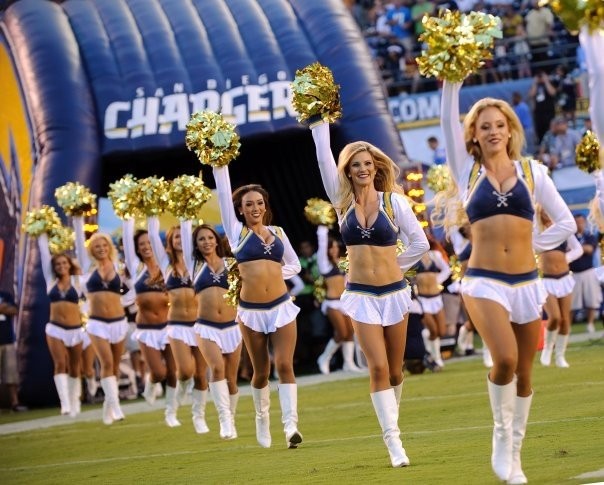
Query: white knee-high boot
x=548 y=347
x=198 y=410
x=116 y=409
x=325 y=358
x=348 y=356
x=561 y=343
x=521 y=412
x=234 y=399
x=288 y=397
x=63 y=391
x=398 y=392
x=386 y=409
x=149 y=391
x=74 y=384
x=486 y=356
x=182 y=389
x=109 y=386
x=171 y=407
x=220 y=396
x=262 y=404
x=461 y=339
x=469 y=342
x=503 y=403
x=436 y=349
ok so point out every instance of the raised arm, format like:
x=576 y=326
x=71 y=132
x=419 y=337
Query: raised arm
x=325 y=265
x=327 y=164
x=157 y=246
x=232 y=226
x=80 y=244
x=441 y=264
x=547 y=195
x=575 y=250
x=45 y=259
x=593 y=46
x=131 y=259
x=410 y=232
x=458 y=158
x=186 y=238
x=291 y=263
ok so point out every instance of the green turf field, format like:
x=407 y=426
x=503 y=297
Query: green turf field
x=445 y=421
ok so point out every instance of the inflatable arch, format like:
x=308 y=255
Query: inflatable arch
x=93 y=90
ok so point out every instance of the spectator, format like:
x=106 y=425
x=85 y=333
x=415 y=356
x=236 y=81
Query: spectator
x=8 y=350
x=566 y=87
x=539 y=23
x=395 y=55
x=587 y=126
x=526 y=120
x=439 y=153
x=400 y=21
x=543 y=95
x=565 y=141
x=418 y=11
x=522 y=53
x=502 y=62
x=510 y=21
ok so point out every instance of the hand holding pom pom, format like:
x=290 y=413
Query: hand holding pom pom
x=123 y=196
x=187 y=195
x=316 y=97
x=152 y=196
x=320 y=212
x=75 y=199
x=587 y=153
x=438 y=178
x=213 y=140
x=575 y=13
x=234 y=281
x=60 y=239
x=42 y=220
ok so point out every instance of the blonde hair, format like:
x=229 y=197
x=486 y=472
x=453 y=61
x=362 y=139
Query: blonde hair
x=112 y=250
x=385 y=177
x=595 y=216
x=515 y=143
x=448 y=210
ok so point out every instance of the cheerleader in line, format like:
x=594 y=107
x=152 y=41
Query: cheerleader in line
x=181 y=319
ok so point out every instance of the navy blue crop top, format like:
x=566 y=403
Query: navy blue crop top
x=174 y=281
x=465 y=254
x=141 y=285
x=381 y=233
x=252 y=248
x=432 y=268
x=71 y=295
x=207 y=278
x=96 y=283
x=563 y=247
x=485 y=201
x=334 y=271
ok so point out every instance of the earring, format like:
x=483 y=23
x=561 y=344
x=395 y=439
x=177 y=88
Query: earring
x=349 y=176
x=510 y=135
x=474 y=140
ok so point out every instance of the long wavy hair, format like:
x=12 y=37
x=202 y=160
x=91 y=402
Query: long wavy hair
x=237 y=202
x=220 y=243
x=153 y=280
x=448 y=211
x=73 y=267
x=170 y=244
x=385 y=177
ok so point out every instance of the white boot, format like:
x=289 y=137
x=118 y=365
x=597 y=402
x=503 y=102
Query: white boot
x=118 y=415
x=470 y=341
x=149 y=391
x=548 y=347
x=220 y=396
x=288 y=397
x=74 y=384
x=158 y=390
x=436 y=349
x=398 y=392
x=109 y=385
x=262 y=404
x=561 y=343
x=426 y=339
x=359 y=355
x=486 y=356
x=521 y=412
x=63 y=391
x=348 y=356
x=171 y=407
x=92 y=385
x=325 y=358
x=502 y=400
x=198 y=410
x=233 y=399
x=461 y=339
x=182 y=389
x=386 y=409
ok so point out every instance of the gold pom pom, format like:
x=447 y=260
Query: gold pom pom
x=152 y=196
x=42 y=220
x=455 y=266
x=438 y=178
x=576 y=13
x=213 y=140
x=456 y=43
x=320 y=212
x=187 y=195
x=344 y=263
x=315 y=94
x=61 y=239
x=75 y=199
x=319 y=290
x=587 y=153
x=234 y=281
x=123 y=194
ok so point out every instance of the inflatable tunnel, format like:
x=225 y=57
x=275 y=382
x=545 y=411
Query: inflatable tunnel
x=92 y=90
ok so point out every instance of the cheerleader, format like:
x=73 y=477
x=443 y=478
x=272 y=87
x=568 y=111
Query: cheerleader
x=190 y=364
x=265 y=311
x=328 y=256
x=218 y=335
x=64 y=332
x=151 y=331
x=107 y=325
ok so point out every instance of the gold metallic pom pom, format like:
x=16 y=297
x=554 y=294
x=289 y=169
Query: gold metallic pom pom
x=42 y=220
x=438 y=178
x=123 y=196
x=152 y=196
x=187 y=195
x=319 y=290
x=234 y=281
x=344 y=263
x=588 y=153
x=456 y=44
x=315 y=94
x=61 y=239
x=320 y=212
x=213 y=139
x=576 y=13
x=455 y=266
x=76 y=199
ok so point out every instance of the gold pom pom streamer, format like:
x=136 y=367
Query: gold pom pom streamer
x=319 y=290
x=152 y=196
x=455 y=266
x=456 y=44
x=438 y=178
x=61 y=239
x=315 y=94
x=576 y=13
x=123 y=194
x=587 y=153
x=213 y=140
x=187 y=195
x=320 y=212
x=234 y=281
x=42 y=220
x=75 y=199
